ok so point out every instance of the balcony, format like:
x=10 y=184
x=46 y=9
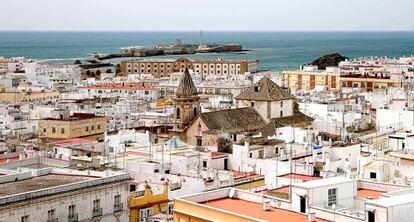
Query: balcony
x=97 y=212
x=73 y=218
x=118 y=207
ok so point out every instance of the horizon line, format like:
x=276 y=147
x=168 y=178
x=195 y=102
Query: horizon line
x=191 y=31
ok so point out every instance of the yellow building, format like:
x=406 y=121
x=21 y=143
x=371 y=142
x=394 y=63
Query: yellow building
x=309 y=80
x=79 y=125
x=18 y=97
x=146 y=203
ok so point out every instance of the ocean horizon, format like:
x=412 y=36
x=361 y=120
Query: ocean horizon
x=276 y=50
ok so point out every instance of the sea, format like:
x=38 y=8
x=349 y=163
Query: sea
x=275 y=50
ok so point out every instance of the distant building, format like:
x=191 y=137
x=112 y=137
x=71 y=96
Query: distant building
x=311 y=80
x=369 y=83
x=163 y=68
x=79 y=125
x=8 y=95
x=120 y=89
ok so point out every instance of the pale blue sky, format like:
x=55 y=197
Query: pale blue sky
x=211 y=15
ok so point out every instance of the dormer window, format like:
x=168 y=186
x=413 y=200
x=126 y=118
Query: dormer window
x=256 y=88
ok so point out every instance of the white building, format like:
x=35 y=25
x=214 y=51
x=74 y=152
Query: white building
x=53 y=195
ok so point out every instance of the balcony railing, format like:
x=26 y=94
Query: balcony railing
x=97 y=212
x=73 y=218
x=119 y=207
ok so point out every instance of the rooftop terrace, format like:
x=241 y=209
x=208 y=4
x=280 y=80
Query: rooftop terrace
x=255 y=210
x=38 y=183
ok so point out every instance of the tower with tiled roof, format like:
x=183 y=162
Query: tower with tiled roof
x=187 y=103
x=268 y=98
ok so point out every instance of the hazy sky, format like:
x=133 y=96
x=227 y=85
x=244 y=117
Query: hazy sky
x=219 y=15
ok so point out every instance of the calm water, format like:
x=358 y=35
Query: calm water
x=275 y=50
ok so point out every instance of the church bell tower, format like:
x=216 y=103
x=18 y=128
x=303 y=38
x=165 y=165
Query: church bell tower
x=186 y=103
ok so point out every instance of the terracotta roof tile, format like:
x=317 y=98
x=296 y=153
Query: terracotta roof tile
x=264 y=90
x=233 y=120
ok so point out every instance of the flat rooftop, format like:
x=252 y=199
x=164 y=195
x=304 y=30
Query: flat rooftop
x=324 y=182
x=255 y=210
x=38 y=183
x=369 y=194
x=302 y=177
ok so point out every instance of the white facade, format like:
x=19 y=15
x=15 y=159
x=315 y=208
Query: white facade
x=95 y=199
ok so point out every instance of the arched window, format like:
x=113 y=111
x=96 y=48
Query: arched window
x=178 y=113
x=195 y=111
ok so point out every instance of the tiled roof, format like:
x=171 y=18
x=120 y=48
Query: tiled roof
x=298 y=119
x=264 y=90
x=233 y=120
x=186 y=88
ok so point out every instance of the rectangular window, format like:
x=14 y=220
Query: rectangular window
x=71 y=211
x=332 y=196
x=199 y=141
x=96 y=204
x=373 y=175
x=62 y=130
x=92 y=127
x=118 y=206
x=53 y=130
x=145 y=213
x=98 y=126
x=87 y=129
x=44 y=130
x=25 y=218
x=51 y=215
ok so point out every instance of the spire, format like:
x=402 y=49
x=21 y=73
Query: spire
x=186 y=88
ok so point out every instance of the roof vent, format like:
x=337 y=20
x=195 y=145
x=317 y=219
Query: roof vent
x=266 y=204
x=232 y=192
x=311 y=217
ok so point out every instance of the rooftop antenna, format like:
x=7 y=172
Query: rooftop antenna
x=201 y=37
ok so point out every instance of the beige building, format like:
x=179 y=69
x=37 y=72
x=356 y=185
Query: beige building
x=18 y=97
x=79 y=125
x=163 y=68
x=311 y=80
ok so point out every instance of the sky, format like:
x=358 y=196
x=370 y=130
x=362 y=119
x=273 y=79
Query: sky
x=211 y=15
